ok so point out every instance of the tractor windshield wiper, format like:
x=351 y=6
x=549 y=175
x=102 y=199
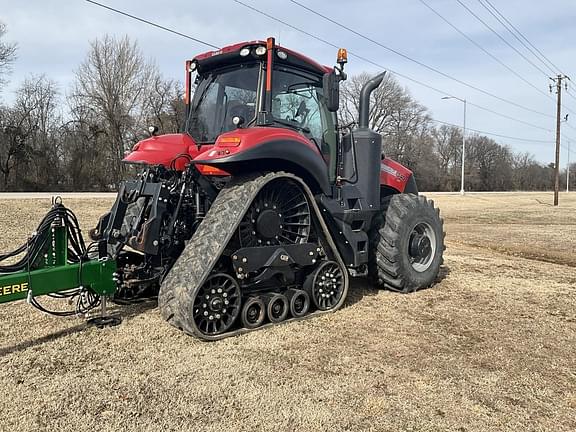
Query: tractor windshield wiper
x=288 y=123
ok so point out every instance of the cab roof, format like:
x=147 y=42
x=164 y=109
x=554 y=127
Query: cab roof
x=230 y=54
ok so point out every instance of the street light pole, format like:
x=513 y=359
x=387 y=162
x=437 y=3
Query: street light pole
x=462 y=189
x=463 y=149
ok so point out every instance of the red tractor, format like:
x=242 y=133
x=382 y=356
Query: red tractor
x=264 y=206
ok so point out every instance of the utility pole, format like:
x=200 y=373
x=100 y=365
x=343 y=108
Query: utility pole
x=558 y=80
x=568 y=170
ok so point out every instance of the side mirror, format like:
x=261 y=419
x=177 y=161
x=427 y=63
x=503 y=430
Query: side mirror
x=331 y=84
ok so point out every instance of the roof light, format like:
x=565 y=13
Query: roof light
x=244 y=52
x=261 y=50
x=282 y=55
x=193 y=66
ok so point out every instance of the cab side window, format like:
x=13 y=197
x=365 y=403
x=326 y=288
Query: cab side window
x=297 y=100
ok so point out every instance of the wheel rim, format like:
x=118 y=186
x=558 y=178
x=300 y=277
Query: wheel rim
x=327 y=286
x=280 y=214
x=217 y=304
x=422 y=247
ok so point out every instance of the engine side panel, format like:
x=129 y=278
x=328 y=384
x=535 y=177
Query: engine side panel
x=396 y=176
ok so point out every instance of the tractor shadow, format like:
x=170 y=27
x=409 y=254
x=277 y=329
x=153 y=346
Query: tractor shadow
x=361 y=287
x=42 y=340
x=124 y=311
x=128 y=310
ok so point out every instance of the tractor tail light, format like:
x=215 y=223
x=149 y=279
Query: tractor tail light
x=210 y=170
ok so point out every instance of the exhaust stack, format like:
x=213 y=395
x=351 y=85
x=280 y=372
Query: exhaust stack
x=364 y=106
x=362 y=149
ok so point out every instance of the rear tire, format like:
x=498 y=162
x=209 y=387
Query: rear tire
x=407 y=243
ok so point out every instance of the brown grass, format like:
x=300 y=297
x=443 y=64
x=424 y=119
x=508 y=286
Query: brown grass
x=492 y=347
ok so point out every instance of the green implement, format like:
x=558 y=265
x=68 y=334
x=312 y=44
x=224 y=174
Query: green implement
x=95 y=275
x=56 y=261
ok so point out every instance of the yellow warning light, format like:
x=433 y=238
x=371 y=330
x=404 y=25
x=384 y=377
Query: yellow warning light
x=342 y=55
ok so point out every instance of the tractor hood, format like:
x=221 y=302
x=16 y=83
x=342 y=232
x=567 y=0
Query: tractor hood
x=164 y=150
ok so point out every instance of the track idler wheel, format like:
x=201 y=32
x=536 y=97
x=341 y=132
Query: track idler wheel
x=326 y=285
x=217 y=304
x=299 y=301
x=277 y=307
x=253 y=313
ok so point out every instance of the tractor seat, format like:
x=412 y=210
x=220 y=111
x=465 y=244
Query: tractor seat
x=238 y=108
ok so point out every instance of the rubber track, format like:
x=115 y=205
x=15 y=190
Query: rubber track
x=177 y=293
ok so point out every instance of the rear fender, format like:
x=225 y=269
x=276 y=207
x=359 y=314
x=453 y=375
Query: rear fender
x=276 y=155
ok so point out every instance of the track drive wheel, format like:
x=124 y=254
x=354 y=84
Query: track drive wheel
x=407 y=242
x=326 y=285
x=280 y=214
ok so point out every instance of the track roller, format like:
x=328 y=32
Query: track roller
x=299 y=301
x=253 y=313
x=326 y=285
x=276 y=307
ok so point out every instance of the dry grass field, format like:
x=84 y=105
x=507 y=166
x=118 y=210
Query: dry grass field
x=492 y=347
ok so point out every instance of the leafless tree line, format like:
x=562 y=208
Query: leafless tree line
x=51 y=141
x=74 y=139
x=435 y=153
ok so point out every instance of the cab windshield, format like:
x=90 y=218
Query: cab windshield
x=220 y=96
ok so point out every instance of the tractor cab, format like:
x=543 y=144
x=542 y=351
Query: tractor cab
x=257 y=84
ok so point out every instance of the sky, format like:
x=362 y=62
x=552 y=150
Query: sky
x=54 y=36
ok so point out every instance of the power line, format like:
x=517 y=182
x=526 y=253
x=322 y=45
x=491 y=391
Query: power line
x=509 y=117
x=497 y=16
x=501 y=38
x=483 y=49
x=495 y=134
x=153 y=24
x=399 y=54
x=335 y=46
x=442 y=92
x=520 y=40
x=554 y=67
x=487 y=52
x=384 y=68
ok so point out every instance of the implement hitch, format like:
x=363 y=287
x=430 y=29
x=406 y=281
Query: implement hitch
x=56 y=262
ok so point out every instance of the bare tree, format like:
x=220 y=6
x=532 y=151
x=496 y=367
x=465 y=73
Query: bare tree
x=447 y=141
x=490 y=164
x=27 y=144
x=113 y=82
x=382 y=101
x=164 y=105
x=7 y=54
